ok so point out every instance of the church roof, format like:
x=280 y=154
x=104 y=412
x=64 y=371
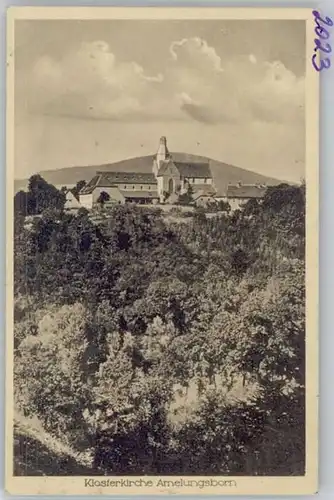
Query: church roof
x=246 y=191
x=198 y=170
x=109 y=179
x=187 y=169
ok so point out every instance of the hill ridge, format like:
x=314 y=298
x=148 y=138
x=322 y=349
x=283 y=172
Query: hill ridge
x=223 y=173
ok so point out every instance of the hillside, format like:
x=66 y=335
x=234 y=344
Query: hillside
x=36 y=453
x=223 y=173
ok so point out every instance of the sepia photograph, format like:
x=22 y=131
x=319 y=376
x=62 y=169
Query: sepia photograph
x=162 y=183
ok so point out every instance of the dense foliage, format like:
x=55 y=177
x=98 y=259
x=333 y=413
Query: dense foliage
x=164 y=347
x=40 y=196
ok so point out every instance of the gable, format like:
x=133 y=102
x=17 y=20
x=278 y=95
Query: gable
x=168 y=168
x=71 y=201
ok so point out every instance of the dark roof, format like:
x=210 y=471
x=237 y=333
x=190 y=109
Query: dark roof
x=139 y=194
x=109 y=179
x=88 y=188
x=198 y=170
x=246 y=191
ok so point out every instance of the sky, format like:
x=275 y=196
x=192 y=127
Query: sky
x=98 y=91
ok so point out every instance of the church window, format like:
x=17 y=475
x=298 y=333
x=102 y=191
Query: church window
x=124 y=187
x=133 y=187
x=193 y=181
x=149 y=187
x=205 y=180
x=170 y=186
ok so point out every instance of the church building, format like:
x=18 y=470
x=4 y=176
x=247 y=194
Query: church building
x=167 y=180
x=174 y=178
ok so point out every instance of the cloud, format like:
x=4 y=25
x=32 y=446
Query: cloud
x=194 y=84
x=195 y=51
x=242 y=89
x=279 y=97
x=90 y=81
x=252 y=59
x=194 y=109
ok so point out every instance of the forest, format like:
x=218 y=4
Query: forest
x=155 y=347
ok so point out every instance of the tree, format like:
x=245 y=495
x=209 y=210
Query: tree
x=199 y=215
x=186 y=198
x=224 y=206
x=103 y=198
x=252 y=207
x=49 y=369
x=219 y=437
x=42 y=195
x=240 y=261
x=277 y=198
x=78 y=187
x=113 y=318
x=20 y=203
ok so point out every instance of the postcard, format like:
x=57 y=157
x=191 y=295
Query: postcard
x=162 y=250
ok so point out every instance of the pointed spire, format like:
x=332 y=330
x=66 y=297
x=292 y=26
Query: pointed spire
x=162 y=153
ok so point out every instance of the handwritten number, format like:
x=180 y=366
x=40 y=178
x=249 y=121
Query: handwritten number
x=324 y=63
x=322 y=34
x=326 y=21
x=325 y=48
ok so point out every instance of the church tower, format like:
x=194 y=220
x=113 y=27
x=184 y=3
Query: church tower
x=161 y=156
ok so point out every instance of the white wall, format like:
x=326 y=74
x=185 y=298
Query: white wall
x=86 y=200
x=113 y=192
x=89 y=200
x=160 y=181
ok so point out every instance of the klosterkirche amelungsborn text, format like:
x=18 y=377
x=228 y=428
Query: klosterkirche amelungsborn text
x=167 y=181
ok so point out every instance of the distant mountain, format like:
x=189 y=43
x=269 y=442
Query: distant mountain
x=223 y=174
